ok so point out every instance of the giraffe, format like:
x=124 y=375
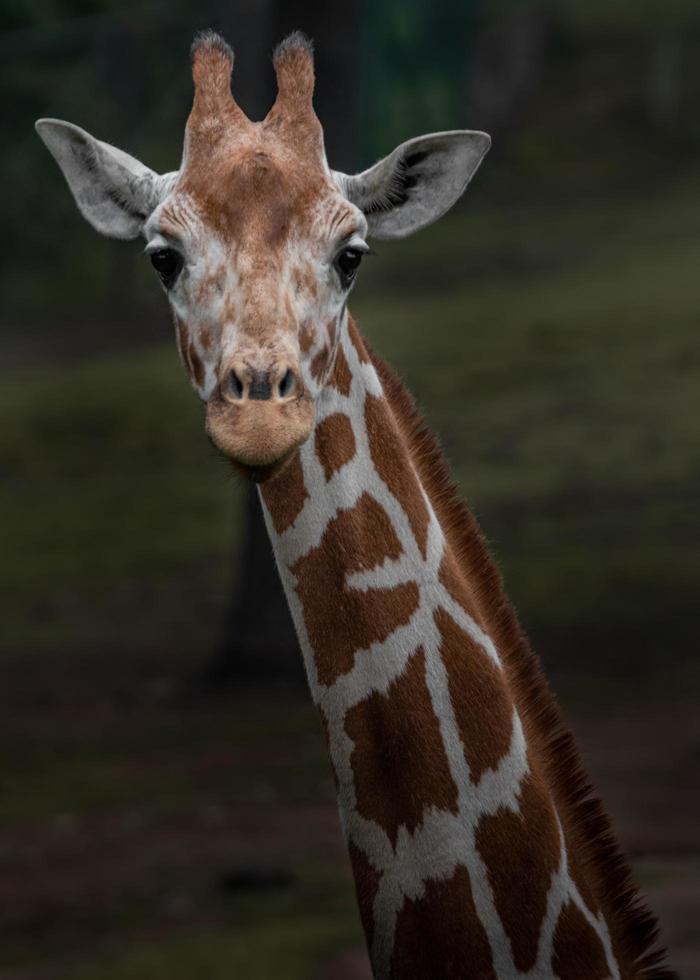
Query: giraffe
x=477 y=846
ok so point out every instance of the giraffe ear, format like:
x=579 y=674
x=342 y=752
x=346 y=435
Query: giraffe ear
x=417 y=183
x=113 y=190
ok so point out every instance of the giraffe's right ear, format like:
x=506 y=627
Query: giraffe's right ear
x=113 y=190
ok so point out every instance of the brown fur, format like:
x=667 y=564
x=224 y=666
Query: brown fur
x=341 y=620
x=367 y=880
x=319 y=364
x=577 y=950
x=521 y=883
x=395 y=468
x=633 y=928
x=306 y=338
x=396 y=735
x=334 y=443
x=482 y=707
x=450 y=576
x=341 y=379
x=285 y=498
x=439 y=936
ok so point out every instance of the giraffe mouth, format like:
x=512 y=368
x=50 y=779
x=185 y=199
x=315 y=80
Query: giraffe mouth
x=260 y=474
x=259 y=437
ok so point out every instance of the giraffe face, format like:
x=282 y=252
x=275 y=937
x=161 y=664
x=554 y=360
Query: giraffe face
x=257 y=262
x=257 y=241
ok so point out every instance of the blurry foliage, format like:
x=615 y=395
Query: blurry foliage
x=628 y=16
x=405 y=89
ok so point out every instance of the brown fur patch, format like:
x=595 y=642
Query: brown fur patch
x=285 y=495
x=340 y=620
x=341 y=378
x=450 y=576
x=367 y=880
x=477 y=690
x=306 y=338
x=391 y=463
x=319 y=364
x=577 y=872
x=521 y=853
x=399 y=761
x=633 y=927
x=577 y=950
x=304 y=281
x=205 y=337
x=440 y=936
x=357 y=342
x=334 y=443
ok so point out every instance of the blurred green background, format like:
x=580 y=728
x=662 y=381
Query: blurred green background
x=548 y=328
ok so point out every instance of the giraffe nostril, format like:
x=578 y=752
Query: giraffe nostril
x=287 y=383
x=235 y=385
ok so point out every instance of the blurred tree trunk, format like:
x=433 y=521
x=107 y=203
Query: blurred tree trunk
x=259 y=641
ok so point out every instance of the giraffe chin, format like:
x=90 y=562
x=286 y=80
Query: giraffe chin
x=259 y=438
x=260 y=474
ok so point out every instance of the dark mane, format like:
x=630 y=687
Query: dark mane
x=633 y=927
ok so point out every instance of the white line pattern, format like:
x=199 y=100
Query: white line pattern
x=443 y=840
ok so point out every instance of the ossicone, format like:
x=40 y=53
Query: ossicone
x=212 y=66
x=293 y=60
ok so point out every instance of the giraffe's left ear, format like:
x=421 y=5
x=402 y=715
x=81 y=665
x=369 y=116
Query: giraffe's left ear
x=416 y=183
x=114 y=191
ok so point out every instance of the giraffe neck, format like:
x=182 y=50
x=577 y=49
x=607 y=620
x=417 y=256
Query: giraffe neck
x=458 y=846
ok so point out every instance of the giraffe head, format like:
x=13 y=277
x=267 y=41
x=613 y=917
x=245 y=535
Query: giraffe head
x=257 y=241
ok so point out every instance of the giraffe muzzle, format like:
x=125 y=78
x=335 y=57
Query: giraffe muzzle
x=257 y=417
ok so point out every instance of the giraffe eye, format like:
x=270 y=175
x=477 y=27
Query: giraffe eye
x=347 y=263
x=167 y=263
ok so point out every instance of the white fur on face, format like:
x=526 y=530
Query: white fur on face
x=229 y=300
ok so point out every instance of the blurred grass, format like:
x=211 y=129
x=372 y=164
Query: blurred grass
x=119 y=832
x=110 y=492
x=164 y=757
x=278 y=939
